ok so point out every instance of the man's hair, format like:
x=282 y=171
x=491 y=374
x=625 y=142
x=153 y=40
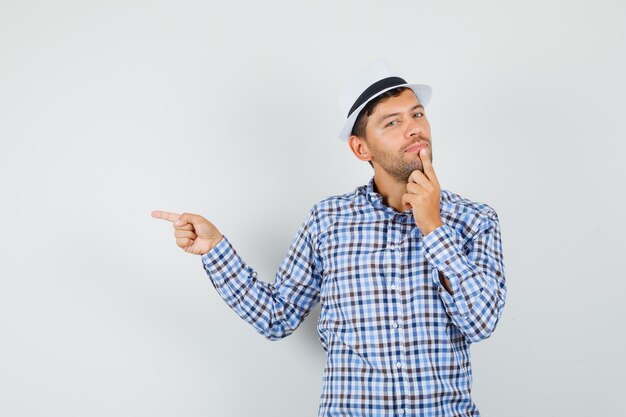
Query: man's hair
x=361 y=121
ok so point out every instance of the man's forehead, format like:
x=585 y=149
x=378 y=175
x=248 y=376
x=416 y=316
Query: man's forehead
x=406 y=98
x=394 y=105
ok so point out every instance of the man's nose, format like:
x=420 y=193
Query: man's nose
x=413 y=128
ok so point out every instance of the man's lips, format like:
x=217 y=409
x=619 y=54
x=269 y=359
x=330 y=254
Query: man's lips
x=417 y=147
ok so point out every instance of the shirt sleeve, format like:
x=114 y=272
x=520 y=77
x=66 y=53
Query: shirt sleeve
x=476 y=275
x=275 y=309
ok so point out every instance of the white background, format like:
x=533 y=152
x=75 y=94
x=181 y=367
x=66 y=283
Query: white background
x=109 y=110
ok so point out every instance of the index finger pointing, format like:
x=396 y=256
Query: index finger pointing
x=165 y=215
x=429 y=171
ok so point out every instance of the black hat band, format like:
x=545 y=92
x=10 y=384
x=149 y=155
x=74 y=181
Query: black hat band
x=374 y=89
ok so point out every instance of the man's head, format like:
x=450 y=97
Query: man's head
x=376 y=86
x=386 y=128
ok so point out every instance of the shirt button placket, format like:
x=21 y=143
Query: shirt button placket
x=393 y=254
x=403 y=359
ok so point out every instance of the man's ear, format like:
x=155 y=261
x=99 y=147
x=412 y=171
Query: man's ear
x=359 y=148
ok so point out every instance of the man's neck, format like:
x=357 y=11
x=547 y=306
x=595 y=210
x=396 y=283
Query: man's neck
x=390 y=190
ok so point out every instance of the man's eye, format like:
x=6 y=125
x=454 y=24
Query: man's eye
x=391 y=123
x=420 y=113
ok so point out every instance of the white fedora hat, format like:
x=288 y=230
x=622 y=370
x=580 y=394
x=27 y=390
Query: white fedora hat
x=368 y=84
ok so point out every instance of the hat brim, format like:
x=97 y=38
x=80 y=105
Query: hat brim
x=422 y=91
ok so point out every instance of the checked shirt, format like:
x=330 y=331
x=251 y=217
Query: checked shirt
x=397 y=342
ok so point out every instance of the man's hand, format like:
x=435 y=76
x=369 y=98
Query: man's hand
x=194 y=234
x=423 y=195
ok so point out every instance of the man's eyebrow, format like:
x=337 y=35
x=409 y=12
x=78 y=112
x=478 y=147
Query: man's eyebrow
x=417 y=106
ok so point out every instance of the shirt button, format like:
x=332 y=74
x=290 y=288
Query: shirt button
x=398 y=364
x=393 y=286
x=392 y=246
x=395 y=324
x=402 y=411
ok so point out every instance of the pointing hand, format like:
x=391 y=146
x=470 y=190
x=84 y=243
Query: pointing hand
x=194 y=234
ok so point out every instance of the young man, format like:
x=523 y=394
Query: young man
x=408 y=274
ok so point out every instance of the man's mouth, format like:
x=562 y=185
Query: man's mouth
x=417 y=147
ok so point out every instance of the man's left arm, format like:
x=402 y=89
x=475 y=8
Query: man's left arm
x=469 y=276
x=473 y=274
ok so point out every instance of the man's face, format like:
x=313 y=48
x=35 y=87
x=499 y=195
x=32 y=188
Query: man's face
x=397 y=124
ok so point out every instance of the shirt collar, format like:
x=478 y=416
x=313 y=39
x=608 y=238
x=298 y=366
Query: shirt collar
x=376 y=200
x=371 y=194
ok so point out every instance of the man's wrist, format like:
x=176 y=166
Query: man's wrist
x=429 y=228
x=213 y=245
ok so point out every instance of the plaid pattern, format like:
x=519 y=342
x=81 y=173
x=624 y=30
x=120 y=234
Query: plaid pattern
x=397 y=342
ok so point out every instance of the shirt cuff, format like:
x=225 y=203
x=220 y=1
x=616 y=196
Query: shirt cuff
x=443 y=249
x=222 y=261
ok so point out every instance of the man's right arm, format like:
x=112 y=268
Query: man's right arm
x=275 y=309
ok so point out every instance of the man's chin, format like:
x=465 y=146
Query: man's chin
x=407 y=175
x=417 y=167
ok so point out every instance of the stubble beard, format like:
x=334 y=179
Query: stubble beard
x=400 y=168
